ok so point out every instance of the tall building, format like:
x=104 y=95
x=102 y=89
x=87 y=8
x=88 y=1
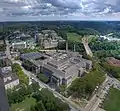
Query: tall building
x=4 y=106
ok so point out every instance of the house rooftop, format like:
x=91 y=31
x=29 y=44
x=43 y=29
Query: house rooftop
x=6 y=72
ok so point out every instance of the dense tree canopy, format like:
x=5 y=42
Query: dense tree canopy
x=19 y=94
x=105 y=45
x=38 y=107
x=50 y=103
x=83 y=87
x=112 y=70
x=18 y=70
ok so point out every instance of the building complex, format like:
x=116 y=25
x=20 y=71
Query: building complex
x=60 y=67
x=49 y=39
x=22 y=41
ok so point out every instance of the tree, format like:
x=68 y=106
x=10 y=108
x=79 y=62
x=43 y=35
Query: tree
x=35 y=86
x=112 y=70
x=38 y=107
x=50 y=102
x=17 y=96
x=32 y=108
x=18 y=70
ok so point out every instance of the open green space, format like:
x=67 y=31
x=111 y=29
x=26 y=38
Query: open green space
x=23 y=106
x=112 y=103
x=18 y=70
x=43 y=78
x=23 y=51
x=74 y=37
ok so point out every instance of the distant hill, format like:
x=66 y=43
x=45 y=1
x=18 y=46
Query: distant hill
x=103 y=27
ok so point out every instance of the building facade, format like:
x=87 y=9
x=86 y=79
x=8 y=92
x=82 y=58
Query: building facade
x=49 y=39
x=22 y=41
x=10 y=79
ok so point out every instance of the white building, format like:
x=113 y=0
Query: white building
x=22 y=41
x=10 y=79
x=19 y=45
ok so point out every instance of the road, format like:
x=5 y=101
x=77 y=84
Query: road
x=73 y=106
x=86 y=46
x=93 y=104
x=115 y=82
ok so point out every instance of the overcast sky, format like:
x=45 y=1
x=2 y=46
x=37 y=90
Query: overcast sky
x=23 y=10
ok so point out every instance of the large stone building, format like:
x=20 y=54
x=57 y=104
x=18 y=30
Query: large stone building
x=60 y=67
x=10 y=79
x=49 y=39
x=22 y=41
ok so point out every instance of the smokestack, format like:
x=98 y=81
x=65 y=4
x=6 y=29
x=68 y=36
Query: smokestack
x=41 y=42
x=57 y=45
x=74 y=48
x=66 y=45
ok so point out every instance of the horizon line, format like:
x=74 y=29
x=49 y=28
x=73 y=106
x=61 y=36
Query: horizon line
x=61 y=21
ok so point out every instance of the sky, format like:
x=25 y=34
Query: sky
x=40 y=10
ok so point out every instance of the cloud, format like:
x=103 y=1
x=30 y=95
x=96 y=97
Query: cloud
x=58 y=9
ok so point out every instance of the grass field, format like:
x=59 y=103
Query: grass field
x=74 y=37
x=112 y=103
x=77 y=38
x=23 y=106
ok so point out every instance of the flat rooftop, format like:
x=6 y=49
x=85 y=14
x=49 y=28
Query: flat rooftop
x=32 y=55
x=7 y=73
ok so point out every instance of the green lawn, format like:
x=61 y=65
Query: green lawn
x=23 y=51
x=23 y=106
x=74 y=37
x=112 y=103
